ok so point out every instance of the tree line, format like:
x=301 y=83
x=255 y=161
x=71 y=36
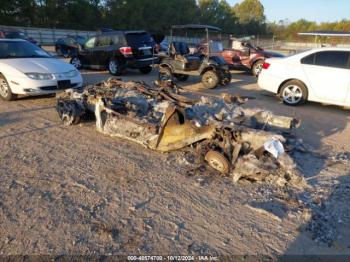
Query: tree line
x=156 y=16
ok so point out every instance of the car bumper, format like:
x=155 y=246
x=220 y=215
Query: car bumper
x=27 y=86
x=139 y=63
x=268 y=82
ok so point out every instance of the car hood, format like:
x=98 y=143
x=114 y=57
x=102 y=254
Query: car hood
x=38 y=65
x=270 y=53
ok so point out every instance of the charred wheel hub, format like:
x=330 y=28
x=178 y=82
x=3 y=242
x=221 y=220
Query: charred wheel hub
x=217 y=161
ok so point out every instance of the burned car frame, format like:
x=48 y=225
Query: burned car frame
x=162 y=118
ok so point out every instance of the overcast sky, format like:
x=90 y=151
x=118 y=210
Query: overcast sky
x=313 y=10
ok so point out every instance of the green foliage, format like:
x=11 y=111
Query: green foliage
x=249 y=12
x=289 y=31
x=218 y=13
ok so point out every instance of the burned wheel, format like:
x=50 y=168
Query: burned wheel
x=217 y=161
x=165 y=74
x=69 y=112
x=210 y=79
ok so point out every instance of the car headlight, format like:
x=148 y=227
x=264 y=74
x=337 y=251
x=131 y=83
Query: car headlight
x=72 y=73
x=40 y=76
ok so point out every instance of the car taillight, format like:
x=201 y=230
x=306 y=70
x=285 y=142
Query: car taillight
x=266 y=65
x=126 y=50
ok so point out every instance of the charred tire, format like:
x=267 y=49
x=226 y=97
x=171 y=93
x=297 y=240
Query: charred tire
x=210 y=79
x=181 y=77
x=76 y=62
x=69 y=112
x=293 y=93
x=165 y=74
x=114 y=67
x=256 y=68
x=146 y=70
x=5 y=90
x=217 y=161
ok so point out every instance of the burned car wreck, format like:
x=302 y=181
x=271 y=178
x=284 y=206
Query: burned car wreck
x=231 y=140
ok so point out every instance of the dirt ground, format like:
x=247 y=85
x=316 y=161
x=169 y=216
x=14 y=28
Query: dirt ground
x=71 y=190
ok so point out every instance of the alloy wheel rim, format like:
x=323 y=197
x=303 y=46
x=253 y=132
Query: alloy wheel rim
x=76 y=62
x=112 y=67
x=3 y=88
x=258 y=68
x=292 y=94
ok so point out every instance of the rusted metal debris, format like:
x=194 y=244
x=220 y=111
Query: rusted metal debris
x=162 y=118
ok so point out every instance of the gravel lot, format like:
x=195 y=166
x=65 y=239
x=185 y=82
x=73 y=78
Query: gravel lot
x=71 y=190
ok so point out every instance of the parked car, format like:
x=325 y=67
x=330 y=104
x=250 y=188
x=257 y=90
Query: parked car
x=116 y=51
x=69 y=46
x=243 y=55
x=28 y=70
x=16 y=34
x=320 y=75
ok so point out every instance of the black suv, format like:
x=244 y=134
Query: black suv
x=116 y=51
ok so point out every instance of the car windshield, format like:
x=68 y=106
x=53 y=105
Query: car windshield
x=19 y=35
x=139 y=38
x=21 y=49
x=81 y=40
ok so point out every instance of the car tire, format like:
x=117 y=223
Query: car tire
x=293 y=93
x=114 y=67
x=226 y=78
x=58 y=51
x=210 y=79
x=256 y=68
x=146 y=70
x=5 y=90
x=165 y=74
x=181 y=77
x=76 y=62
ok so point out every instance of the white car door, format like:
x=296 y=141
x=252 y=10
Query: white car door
x=328 y=73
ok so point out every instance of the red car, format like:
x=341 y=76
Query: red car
x=244 y=55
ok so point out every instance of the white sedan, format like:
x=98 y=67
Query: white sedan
x=320 y=75
x=28 y=70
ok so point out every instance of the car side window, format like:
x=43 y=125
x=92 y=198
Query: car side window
x=103 y=41
x=309 y=60
x=337 y=59
x=90 y=43
x=117 y=40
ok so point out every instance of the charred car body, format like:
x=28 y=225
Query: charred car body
x=162 y=119
x=179 y=63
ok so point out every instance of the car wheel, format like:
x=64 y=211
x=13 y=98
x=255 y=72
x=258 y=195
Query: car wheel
x=210 y=79
x=5 y=90
x=181 y=77
x=146 y=70
x=217 y=161
x=114 y=67
x=76 y=62
x=293 y=93
x=58 y=51
x=226 y=78
x=256 y=69
x=165 y=74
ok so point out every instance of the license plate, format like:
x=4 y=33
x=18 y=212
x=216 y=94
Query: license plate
x=145 y=51
x=63 y=84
